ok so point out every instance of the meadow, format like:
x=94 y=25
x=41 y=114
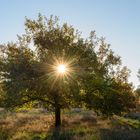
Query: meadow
x=82 y=125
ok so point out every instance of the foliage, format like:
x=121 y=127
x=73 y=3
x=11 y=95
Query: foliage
x=110 y=97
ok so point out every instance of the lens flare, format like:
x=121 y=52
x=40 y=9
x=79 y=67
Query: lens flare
x=61 y=68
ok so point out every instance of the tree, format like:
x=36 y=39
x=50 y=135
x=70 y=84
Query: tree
x=30 y=74
x=137 y=91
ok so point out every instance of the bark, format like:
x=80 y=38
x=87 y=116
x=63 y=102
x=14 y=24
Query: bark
x=57 y=116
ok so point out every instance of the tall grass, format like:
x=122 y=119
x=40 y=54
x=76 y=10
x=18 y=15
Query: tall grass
x=75 y=126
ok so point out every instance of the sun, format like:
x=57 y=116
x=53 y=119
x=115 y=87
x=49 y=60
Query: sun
x=61 y=68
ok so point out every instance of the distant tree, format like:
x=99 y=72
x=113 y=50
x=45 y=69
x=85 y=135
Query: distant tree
x=137 y=91
x=93 y=77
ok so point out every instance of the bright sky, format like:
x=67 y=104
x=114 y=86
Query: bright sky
x=117 y=20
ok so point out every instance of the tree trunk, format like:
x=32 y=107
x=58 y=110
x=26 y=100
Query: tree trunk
x=57 y=116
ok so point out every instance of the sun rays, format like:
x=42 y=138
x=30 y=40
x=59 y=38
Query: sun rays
x=58 y=70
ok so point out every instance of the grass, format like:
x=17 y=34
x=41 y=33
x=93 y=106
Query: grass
x=75 y=126
x=129 y=123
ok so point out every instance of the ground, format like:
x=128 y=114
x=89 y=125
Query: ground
x=84 y=125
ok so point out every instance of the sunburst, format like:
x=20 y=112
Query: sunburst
x=61 y=68
x=58 y=69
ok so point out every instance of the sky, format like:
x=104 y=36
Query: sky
x=116 y=20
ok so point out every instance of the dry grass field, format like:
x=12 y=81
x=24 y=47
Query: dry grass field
x=85 y=125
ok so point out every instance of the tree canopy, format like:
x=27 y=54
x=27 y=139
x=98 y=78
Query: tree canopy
x=94 y=77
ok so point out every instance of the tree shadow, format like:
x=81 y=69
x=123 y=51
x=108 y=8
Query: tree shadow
x=61 y=134
x=73 y=129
